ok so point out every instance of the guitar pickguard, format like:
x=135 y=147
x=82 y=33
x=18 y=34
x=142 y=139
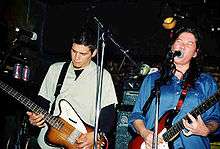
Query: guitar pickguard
x=70 y=116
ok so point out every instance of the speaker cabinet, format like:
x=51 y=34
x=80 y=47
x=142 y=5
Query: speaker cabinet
x=129 y=97
x=123 y=133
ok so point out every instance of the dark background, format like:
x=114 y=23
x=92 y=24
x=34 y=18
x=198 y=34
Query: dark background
x=136 y=25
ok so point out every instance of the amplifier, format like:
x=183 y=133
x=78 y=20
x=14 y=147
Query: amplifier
x=123 y=135
x=129 y=97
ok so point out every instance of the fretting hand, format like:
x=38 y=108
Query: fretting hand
x=36 y=119
x=196 y=127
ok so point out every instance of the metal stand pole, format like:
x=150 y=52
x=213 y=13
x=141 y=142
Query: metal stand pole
x=100 y=73
x=99 y=84
x=155 y=136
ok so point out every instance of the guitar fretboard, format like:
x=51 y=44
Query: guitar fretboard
x=52 y=120
x=204 y=106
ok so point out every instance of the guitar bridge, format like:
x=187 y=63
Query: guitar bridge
x=72 y=137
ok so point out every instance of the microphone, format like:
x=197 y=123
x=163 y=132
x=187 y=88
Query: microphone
x=178 y=54
x=174 y=53
x=98 y=22
x=30 y=34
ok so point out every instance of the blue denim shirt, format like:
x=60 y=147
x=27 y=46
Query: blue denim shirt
x=205 y=87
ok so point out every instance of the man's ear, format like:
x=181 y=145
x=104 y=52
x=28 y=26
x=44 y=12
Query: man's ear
x=94 y=53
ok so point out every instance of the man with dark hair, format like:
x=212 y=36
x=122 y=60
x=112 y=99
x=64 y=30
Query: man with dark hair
x=79 y=89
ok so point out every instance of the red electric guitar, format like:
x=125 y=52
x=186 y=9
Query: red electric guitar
x=167 y=132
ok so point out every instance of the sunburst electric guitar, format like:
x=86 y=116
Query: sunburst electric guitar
x=64 y=129
x=166 y=132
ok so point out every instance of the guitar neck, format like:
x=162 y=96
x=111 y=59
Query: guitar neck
x=52 y=120
x=204 y=106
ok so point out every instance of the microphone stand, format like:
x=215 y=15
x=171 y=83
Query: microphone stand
x=165 y=75
x=123 y=51
x=100 y=73
x=99 y=81
x=111 y=38
x=157 y=103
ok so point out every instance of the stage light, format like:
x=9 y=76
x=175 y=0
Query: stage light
x=168 y=15
x=169 y=23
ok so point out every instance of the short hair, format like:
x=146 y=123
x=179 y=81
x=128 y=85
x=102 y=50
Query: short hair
x=86 y=37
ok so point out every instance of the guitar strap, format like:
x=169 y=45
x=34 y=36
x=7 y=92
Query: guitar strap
x=186 y=85
x=59 y=84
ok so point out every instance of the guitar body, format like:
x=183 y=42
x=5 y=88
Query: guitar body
x=59 y=138
x=136 y=143
x=164 y=123
x=70 y=129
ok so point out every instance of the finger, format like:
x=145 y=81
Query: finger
x=186 y=124
x=84 y=144
x=160 y=140
x=81 y=138
x=148 y=145
x=38 y=119
x=87 y=146
x=199 y=118
x=81 y=145
x=35 y=117
x=40 y=116
x=187 y=133
x=41 y=123
x=191 y=117
x=37 y=123
x=80 y=141
x=29 y=113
